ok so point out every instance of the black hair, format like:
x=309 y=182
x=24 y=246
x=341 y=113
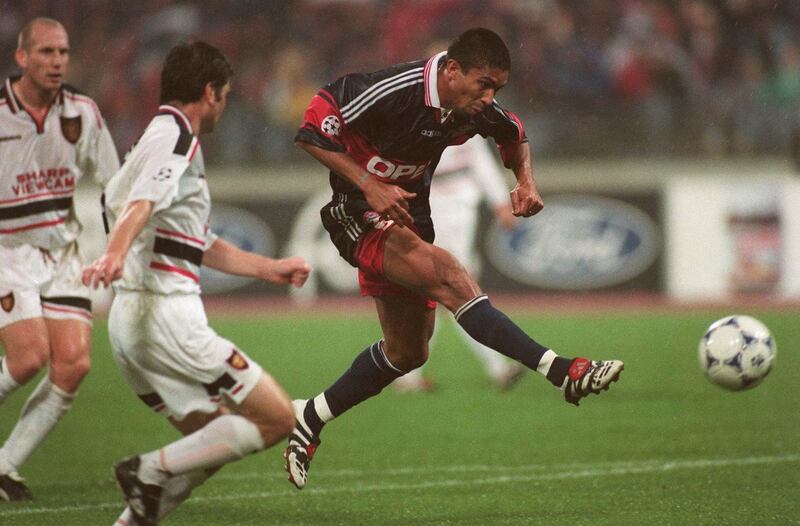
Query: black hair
x=480 y=47
x=189 y=67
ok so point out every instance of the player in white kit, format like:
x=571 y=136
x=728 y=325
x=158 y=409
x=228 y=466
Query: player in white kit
x=50 y=137
x=465 y=175
x=158 y=203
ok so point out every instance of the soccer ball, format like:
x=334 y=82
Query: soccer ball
x=737 y=352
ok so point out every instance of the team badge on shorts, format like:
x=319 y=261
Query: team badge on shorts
x=377 y=221
x=71 y=128
x=237 y=361
x=7 y=302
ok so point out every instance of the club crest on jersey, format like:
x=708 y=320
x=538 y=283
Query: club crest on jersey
x=7 y=302
x=71 y=128
x=237 y=361
x=331 y=126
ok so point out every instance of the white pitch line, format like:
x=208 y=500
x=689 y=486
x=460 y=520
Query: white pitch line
x=588 y=471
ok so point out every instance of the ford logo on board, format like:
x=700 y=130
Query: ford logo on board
x=576 y=242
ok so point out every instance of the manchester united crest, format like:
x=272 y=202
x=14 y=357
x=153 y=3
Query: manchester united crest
x=71 y=128
x=7 y=302
x=237 y=361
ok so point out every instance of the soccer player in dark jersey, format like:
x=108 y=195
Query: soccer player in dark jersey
x=381 y=135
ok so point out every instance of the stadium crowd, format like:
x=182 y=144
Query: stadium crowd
x=699 y=77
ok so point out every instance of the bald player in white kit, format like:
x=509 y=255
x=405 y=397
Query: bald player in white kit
x=50 y=136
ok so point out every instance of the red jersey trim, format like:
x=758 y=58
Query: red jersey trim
x=66 y=310
x=177 y=270
x=86 y=100
x=431 y=86
x=43 y=224
x=33 y=197
x=194 y=149
x=179 y=235
x=13 y=103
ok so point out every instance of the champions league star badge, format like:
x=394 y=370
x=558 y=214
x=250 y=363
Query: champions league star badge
x=71 y=128
x=237 y=361
x=7 y=302
x=331 y=126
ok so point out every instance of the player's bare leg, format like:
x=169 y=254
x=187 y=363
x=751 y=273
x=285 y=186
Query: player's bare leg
x=420 y=266
x=407 y=325
x=70 y=359
x=263 y=418
x=67 y=344
x=27 y=349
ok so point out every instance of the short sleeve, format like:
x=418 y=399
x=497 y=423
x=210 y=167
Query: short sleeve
x=162 y=168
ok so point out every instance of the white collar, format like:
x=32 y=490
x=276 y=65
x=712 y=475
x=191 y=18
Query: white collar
x=431 y=81
x=169 y=108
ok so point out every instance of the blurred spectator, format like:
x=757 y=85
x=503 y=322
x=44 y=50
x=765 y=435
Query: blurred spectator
x=593 y=77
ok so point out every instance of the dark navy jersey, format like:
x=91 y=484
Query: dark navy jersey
x=390 y=121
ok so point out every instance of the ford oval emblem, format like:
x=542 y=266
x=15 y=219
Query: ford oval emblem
x=576 y=242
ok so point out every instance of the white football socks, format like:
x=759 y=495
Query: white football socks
x=322 y=409
x=7 y=383
x=224 y=439
x=547 y=360
x=44 y=408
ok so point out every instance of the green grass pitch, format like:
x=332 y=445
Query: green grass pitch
x=662 y=447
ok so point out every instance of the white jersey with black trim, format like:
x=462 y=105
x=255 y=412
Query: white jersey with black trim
x=165 y=167
x=41 y=163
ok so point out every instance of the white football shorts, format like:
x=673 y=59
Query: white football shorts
x=36 y=283
x=172 y=359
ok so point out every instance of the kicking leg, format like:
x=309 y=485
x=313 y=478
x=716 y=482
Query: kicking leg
x=502 y=372
x=432 y=271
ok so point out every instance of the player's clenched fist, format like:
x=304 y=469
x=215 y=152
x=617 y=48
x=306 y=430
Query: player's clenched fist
x=526 y=201
x=293 y=270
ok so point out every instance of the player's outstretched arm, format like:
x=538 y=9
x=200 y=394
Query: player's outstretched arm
x=227 y=257
x=110 y=265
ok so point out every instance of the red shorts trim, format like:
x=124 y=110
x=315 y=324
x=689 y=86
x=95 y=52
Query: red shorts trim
x=371 y=280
